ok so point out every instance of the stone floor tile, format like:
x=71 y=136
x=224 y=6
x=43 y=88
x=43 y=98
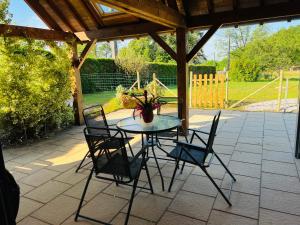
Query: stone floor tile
x=280 y=201
x=268 y=217
x=152 y=171
x=248 y=148
x=215 y=171
x=224 y=149
x=250 y=140
x=57 y=210
x=170 y=218
x=192 y=205
x=280 y=182
x=31 y=221
x=148 y=206
x=168 y=170
x=246 y=169
x=222 y=218
x=278 y=156
x=32 y=167
x=242 y=204
x=18 y=176
x=70 y=177
x=47 y=191
x=246 y=157
x=40 y=177
x=201 y=185
x=94 y=188
x=243 y=184
x=224 y=157
x=24 y=188
x=278 y=148
x=28 y=157
x=27 y=206
x=80 y=221
x=120 y=218
x=279 y=168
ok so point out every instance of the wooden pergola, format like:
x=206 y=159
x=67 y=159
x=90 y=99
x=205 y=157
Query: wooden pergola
x=91 y=21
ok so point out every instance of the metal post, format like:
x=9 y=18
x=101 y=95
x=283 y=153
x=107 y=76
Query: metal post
x=280 y=91
x=138 y=79
x=297 y=145
x=226 y=90
x=155 y=83
x=286 y=93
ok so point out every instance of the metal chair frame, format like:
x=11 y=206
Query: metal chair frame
x=89 y=111
x=93 y=143
x=186 y=148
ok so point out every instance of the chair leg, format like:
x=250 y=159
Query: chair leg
x=182 y=167
x=173 y=176
x=79 y=166
x=83 y=194
x=192 y=138
x=225 y=167
x=218 y=188
x=149 y=178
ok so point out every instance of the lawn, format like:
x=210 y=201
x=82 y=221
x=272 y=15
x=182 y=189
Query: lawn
x=237 y=91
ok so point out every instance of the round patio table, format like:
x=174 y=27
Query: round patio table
x=160 y=124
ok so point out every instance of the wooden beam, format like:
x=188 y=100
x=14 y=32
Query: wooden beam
x=182 y=78
x=59 y=13
x=150 y=10
x=77 y=15
x=77 y=96
x=35 y=33
x=235 y=5
x=181 y=7
x=210 y=6
x=247 y=15
x=202 y=42
x=121 y=32
x=43 y=14
x=88 y=5
x=164 y=45
x=85 y=52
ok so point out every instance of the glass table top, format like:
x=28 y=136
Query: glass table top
x=159 y=124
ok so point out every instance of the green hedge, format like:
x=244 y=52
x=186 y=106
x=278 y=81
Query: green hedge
x=102 y=74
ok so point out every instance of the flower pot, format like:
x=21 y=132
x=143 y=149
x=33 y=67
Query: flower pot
x=147 y=115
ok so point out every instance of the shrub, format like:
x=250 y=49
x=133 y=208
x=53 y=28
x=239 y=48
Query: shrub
x=34 y=88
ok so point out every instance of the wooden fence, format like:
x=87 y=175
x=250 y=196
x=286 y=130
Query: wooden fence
x=207 y=91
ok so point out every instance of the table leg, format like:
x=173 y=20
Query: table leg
x=159 y=171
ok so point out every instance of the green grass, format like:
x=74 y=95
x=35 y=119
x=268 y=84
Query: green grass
x=237 y=91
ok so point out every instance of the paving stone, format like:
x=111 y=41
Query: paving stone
x=94 y=188
x=170 y=218
x=47 y=191
x=148 y=206
x=248 y=148
x=192 y=205
x=168 y=170
x=278 y=156
x=246 y=157
x=222 y=218
x=70 y=177
x=24 y=188
x=120 y=218
x=278 y=148
x=201 y=185
x=280 y=201
x=40 y=177
x=57 y=210
x=250 y=140
x=243 y=184
x=27 y=206
x=242 y=204
x=31 y=221
x=279 y=168
x=246 y=169
x=268 y=217
x=224 y=149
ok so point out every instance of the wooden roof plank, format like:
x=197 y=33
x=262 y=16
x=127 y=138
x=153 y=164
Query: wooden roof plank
x=77 y=15
x=153 y=11
x=93 y=12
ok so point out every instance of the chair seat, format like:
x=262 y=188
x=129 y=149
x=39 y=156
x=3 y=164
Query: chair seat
x=167 y=134
x=198 y=155
x=114 y=143
x=118 y=166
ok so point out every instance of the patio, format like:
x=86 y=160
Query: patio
x=257 y=147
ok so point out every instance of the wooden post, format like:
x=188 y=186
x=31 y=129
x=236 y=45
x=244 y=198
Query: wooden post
x=297 y=144
x=280 y=91
x=138 y=79
x=154 y=80
x=226 y=91
x=191 y=88
x=182 y=78
x=78 y=98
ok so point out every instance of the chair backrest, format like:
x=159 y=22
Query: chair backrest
x=114 y=162
x=94 y=116
x=212 y=132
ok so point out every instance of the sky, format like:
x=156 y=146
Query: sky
x=24 y=16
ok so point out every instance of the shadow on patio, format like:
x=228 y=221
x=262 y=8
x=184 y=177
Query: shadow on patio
x=257 y=147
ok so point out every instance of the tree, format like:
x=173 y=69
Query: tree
x=5 y=16
x=103 y=50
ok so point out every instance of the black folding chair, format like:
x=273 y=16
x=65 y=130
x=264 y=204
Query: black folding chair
x=94 y=116
x=122 y=168
x=200 y=156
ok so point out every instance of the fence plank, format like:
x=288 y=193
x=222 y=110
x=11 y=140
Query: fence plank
x=199 y=90
x=194 y=90
x=222 y=92
x=216 y=91
x=211 y=90
x=205 y=91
